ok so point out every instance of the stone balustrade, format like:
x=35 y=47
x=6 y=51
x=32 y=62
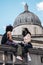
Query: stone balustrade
x=7 y=56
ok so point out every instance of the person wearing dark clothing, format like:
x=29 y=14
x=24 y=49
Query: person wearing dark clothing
x=7 y=39
x=11 y=43
x=4 y=37
x=26 y=44
x=25 y=48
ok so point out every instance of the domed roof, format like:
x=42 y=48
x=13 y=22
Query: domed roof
x=27 y=17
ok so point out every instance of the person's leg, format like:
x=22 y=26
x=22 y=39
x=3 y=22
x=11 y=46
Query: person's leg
x=28 y=56
x=28 y=59
x=19 y=52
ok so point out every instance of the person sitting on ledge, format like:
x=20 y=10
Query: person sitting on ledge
x=26 y=44
x=7 y=38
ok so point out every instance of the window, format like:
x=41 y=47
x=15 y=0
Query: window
x=26 y=20
x=35 y=30
x=31 y=20
x=20 y=20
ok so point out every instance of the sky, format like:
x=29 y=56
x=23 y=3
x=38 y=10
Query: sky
x=10 y=9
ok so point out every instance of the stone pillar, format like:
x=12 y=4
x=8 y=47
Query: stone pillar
x=3 y=59
x=14 y=59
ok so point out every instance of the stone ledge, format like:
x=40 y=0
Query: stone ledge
x=38 y=51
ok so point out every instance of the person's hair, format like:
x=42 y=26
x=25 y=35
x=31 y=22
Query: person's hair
x=9 y=28
x=25 y=32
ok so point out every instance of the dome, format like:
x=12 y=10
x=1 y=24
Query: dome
x=27 y=17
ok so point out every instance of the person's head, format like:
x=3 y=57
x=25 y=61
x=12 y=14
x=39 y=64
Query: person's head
x=26 y=35
x=9 y=28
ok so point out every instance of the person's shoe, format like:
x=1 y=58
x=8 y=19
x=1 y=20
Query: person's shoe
x=18 y=57
x=29 y=58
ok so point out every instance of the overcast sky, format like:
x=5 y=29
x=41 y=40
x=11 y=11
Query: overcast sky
x=10 y=9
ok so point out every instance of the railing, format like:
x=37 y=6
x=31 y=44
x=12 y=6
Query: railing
x=12 y=49
x=7 y=54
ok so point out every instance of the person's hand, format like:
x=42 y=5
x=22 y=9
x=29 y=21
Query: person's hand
x=9 y=36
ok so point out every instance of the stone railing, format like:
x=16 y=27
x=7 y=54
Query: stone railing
x=7 y=56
